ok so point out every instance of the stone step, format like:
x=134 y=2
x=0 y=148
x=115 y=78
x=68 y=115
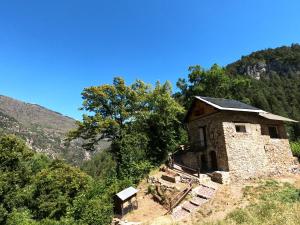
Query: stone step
x=212 y=185
x=179 y=213
x=188 y=206
x=205 y=192
x=198 y=201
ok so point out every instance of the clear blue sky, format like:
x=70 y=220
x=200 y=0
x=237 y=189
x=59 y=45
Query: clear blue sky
x=51 y=50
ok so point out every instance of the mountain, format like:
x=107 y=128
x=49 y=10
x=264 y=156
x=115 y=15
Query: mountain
x=284 y=61
x=43 y=130
x=275 y=83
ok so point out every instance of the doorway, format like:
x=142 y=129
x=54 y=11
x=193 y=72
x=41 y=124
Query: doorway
x=204 y=166
x=214 y=160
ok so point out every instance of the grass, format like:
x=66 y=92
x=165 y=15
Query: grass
x=271 y=203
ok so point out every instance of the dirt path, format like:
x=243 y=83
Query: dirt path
x=148 y=209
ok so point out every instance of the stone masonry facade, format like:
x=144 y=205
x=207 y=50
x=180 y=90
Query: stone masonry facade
x=247 y=154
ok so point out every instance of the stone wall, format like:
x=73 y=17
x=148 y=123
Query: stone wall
x=245 y=155
x=254 y=153
x=214 y=142
x=279 y=155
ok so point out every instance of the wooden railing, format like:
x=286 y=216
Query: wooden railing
x=178 y=198
x=187 y=168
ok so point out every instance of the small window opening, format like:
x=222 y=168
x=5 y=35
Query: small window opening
x=202 y=139
x=240 y=128
x=273 y=132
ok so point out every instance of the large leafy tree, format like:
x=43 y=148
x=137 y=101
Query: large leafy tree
x=164 y=123
x=110 y=109
x=213 y=82
x=143 y=123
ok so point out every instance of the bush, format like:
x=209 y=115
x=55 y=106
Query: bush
x=98 y=211
x=55 y=188
x=93 y=206
x=295 y=146
x=3 y=214
x=22 y=217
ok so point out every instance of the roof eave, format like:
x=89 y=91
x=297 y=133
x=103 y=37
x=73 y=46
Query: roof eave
x=228 y=109
x=271 y=116
x=260 y=112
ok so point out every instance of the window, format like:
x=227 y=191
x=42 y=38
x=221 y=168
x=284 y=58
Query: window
x=202 y=140
x=240 y=128
x=273 y=132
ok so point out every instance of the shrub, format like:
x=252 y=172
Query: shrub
x=295 y=146
x=3 y=214
x=55 y=188
x=22 y=217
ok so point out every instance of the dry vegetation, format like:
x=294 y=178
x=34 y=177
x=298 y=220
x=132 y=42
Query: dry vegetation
x=261 y=202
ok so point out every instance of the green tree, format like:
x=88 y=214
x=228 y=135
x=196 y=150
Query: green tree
x=214 y=82
x=100 y=166
x=39 y=191
x=143 y=124
x=164 y=123
x=15 y=174
x=54 y=189
x=110 y=108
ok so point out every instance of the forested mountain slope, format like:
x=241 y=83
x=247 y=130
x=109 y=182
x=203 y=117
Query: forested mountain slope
x=42 y=129
x=268 y=79
x=283 y=61
x=277 y=88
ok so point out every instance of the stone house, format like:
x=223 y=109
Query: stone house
x=228 y=135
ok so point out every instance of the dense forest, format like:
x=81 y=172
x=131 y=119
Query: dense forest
x=144 y=124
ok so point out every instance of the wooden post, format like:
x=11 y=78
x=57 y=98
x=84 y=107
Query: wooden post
x=122 y=213
x=137 y=203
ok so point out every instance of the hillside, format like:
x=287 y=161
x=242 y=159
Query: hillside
x=275 y=83
x=44 y=130
x=283 y=61
x=267 y=79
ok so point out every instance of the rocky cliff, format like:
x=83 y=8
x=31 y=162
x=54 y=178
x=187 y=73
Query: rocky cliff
x=284 y=61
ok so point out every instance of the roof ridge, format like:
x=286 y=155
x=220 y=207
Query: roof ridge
x=228 y=104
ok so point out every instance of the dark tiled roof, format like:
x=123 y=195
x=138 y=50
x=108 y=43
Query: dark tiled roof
x=228 y=103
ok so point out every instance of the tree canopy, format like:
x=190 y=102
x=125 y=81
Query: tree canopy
x=143 y=123
x=273 y=92
x=37 y=190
